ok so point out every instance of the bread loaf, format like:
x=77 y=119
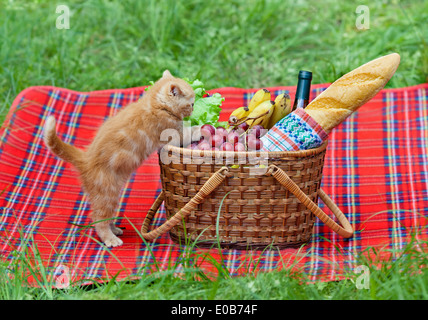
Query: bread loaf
x=351 y=91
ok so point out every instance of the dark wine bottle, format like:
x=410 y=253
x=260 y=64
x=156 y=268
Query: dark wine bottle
x=303 y=89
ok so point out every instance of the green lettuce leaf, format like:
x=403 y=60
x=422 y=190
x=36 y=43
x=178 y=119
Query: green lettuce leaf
x=206 y=109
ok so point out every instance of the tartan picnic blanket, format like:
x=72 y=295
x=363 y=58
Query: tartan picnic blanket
x=376 y=171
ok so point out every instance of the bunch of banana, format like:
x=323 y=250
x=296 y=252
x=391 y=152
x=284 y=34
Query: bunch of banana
x=261 y=114
x=238 y=115
x=241 y=113
x=259 y=97
x=282 y=108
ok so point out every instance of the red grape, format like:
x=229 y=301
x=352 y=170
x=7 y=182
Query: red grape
x=227 y=146
x=204 y=145
x=233 y=137
x=258 y=131
x=253 y=143
x=243 y=127
x=221 y=131
x=207 y=131
x=239 y=147
x=216 y=140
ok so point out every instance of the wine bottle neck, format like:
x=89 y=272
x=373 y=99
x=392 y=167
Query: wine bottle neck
x=303 y=89
x=301 y=99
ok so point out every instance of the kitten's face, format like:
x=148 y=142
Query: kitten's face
x=175 y=96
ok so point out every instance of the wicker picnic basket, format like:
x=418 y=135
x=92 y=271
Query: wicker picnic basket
x=233 y=203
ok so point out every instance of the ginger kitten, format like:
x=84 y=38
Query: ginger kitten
x=122 y=143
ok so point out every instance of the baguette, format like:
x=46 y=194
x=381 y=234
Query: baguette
x=351 y=91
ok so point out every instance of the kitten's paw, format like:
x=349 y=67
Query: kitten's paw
x=117 y=231
x=104 y=231
x=113 y=241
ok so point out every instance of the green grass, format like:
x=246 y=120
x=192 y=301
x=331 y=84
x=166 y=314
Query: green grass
x=240 y=43
x=246 y=43
x=401 y=277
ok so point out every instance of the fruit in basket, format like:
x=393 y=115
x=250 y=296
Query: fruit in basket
x=259 y=97
x=242 y=127
x=227 y=146
x=238 y=115
x=204 y=145
x=207 y=131
x=233 y=137
x=254 y=143
x=240 y=138
x=281 y=109
x=239 y=146
x=216 y=140
x=221 y=131
x=261 y=114
x=258 y=130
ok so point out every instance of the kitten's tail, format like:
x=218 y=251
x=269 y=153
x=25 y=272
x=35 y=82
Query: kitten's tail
x=63 y=150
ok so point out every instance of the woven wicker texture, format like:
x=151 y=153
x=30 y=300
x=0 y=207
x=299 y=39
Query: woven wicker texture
x=211 y=199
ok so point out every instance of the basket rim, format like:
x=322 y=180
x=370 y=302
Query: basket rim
x=271 y=154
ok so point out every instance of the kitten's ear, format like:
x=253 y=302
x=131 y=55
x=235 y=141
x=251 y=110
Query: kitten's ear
x=175 y=90
x=166 y=74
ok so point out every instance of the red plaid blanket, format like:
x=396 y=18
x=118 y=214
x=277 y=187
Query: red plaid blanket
x=376 y=171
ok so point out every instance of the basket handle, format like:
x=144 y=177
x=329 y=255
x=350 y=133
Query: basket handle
x=346 y=231
x=209 y=186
